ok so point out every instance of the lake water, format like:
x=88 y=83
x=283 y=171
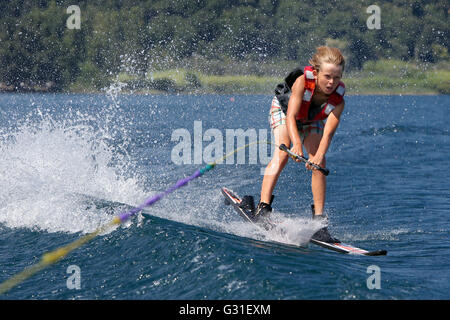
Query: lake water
x=67 y=161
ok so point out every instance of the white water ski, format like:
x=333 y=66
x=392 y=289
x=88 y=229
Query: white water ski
x=231 y=198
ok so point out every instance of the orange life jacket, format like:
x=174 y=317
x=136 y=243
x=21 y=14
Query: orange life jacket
x=283 y=92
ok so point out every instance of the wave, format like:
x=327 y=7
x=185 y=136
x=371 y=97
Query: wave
x=395 y=129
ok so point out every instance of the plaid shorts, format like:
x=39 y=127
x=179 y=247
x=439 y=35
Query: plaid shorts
x=277 y=117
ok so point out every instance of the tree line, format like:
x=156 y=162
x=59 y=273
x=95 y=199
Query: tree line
x=37 y=45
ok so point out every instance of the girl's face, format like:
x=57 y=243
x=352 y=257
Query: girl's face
x=328 y=77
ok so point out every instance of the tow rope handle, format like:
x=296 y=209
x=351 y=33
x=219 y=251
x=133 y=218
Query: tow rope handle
x=295 y=156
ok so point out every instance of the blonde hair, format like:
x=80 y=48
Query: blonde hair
x=327 y=55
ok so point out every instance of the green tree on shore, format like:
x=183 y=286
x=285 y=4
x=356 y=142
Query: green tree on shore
x=138 y=36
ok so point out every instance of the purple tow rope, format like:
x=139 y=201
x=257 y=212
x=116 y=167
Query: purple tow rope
x=127 y=215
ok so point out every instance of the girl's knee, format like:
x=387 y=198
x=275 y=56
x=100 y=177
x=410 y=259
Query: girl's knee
x=283 y=157
x=278 y=162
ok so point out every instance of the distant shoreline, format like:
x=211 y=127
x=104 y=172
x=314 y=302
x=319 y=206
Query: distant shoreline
x=383 y=77
x=150 y=92
x=185 y=82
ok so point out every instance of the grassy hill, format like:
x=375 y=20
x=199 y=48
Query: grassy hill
x=381 y=77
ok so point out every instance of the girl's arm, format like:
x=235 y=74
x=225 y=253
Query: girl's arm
x=328 y=132
x=295 y=101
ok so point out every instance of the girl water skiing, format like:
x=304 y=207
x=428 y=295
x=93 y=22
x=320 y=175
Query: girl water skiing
x=301 y=104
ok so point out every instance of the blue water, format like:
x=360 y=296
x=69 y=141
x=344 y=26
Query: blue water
x=69 y=162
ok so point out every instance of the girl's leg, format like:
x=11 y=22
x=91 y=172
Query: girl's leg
x=318 y=180
x=276 y=164
x=318 y=187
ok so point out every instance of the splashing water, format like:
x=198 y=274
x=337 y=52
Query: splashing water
x=51 y=160
x=46 y=162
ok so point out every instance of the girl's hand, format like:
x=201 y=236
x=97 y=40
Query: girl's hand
x=317 y=160
x=297 y=149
